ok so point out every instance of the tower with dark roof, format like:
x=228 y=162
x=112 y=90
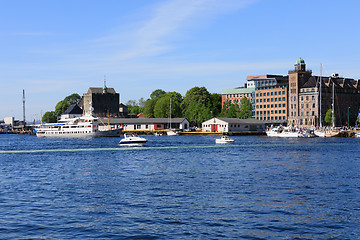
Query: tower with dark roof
x=297 y=78
x=101 y=102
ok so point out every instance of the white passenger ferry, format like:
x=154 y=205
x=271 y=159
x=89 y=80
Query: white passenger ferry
x=77 y=127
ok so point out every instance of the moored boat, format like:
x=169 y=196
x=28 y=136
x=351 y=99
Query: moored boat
x=224 y=140
x=172 y=133
x=131 y=140
x=307 y=134
x=319 y=133
x=285 y=132
x=78 y=127
x=274 y=132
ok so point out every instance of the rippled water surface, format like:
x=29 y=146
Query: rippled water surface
x=183 y=187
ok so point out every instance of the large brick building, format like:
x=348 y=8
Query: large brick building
x=307 y=92
x=301 y=99
x=271 y=99
x=235 y=95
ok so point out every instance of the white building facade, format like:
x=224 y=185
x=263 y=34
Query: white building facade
x=233 y=125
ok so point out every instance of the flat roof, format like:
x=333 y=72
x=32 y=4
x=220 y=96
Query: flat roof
x=142 y=120
x=238 y=91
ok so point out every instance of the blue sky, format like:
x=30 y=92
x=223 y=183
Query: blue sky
x=55 y=48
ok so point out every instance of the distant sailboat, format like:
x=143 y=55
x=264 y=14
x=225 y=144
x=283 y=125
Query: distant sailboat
x=319 y=132
x=171 y=132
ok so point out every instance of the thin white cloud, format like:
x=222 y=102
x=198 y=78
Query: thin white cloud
x=167 y=22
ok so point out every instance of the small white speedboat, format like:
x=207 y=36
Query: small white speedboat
x=224 y=140
x=172 y=133
x=131 y=140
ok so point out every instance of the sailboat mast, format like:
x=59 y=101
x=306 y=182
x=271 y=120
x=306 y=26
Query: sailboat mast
x=24 y=107
x=333 y=104
x=320 y=95
x=170 y=115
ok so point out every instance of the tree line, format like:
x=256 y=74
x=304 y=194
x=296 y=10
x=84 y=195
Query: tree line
x=198 y=105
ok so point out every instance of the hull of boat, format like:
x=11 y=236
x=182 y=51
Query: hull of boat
x=289 y=135
x=172 y=133
x=132 y=144
x=272 y=134
x=111 y=133
x=319 y=133
x=68 y=135
x=218 y=141
x=282 y=134
x=132 y=141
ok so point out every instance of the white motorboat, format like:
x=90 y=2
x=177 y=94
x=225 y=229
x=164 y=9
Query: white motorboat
x=172 y=133
x=224 y=140
x=285 y=132
x=357 y=134
x=289 y=134
x=131 y=140
x=274 y=132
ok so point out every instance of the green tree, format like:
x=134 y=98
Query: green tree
x=141 y=102
x=65 y=103
x=215 y=104
x=162 y=105
x=230 y=110
x=197 y=105
x=245 y=108
x=135 y=107
x=61 y=107
x=149 y=108
x=49 y=117
x=157 y=93
x=328 y=117
x=150 y=103
x=198 y=112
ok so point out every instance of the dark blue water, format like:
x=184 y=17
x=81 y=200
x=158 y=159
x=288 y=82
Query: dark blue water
x=179 y=188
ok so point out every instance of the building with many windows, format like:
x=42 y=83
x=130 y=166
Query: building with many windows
x=271 y=101
x=302 y=100
x=235 y=95
x=297 y=79
x=312 y=96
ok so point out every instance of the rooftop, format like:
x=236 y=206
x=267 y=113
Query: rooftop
x=238 y=91
x=100 y=90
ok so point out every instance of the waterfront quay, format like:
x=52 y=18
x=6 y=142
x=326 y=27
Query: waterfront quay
x=196 y=133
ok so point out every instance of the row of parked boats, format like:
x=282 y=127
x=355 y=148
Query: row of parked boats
x=293 y=132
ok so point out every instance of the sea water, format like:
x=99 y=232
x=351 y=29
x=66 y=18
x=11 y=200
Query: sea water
x=181 y=187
